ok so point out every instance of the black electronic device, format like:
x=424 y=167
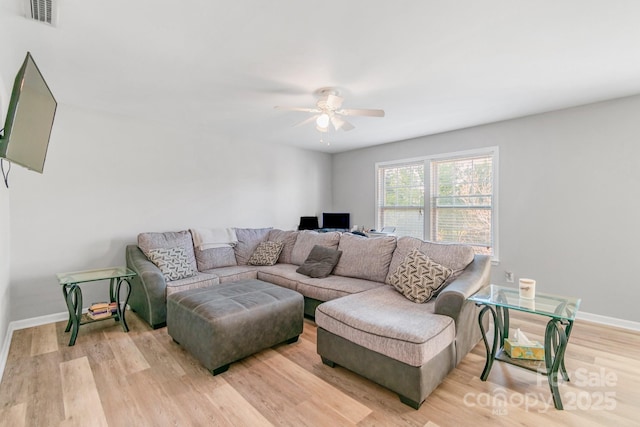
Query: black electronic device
x=308 y=223
x=336 y=221
x=29 y=121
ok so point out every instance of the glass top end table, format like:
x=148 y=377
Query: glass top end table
x=551 y=305
x=561 y=310
x=70 y=283
x=94 y=275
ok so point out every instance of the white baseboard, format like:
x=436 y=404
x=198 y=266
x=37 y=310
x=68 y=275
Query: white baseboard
x=609 y=321
x=58 y=317
x=37 y=321
x=22 y=324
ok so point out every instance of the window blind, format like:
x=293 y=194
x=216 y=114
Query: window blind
x=401 y=198
x=462 y=201
x=449 y=198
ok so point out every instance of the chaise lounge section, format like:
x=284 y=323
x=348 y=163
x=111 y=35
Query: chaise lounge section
x=408 y=348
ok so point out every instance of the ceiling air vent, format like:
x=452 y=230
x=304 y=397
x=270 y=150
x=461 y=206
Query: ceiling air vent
x=43 y=11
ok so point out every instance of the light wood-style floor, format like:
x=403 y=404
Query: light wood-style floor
x=143 y=378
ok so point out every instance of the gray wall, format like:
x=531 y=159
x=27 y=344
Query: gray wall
x=108 y=178
x=568 y=198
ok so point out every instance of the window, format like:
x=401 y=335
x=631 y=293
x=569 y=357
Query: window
x=401 y=198
x=449 y=198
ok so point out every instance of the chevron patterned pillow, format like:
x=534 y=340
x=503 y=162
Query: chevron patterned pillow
x=172 y=262
x=266 y=253
x=419 y=278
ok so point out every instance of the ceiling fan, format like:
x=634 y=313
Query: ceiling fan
x=328 y=110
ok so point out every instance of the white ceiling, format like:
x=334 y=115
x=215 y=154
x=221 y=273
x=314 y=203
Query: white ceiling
x=433 y=66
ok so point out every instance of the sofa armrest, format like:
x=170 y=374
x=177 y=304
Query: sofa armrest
x=452 y=301
x=148 y=288
x=474 y=277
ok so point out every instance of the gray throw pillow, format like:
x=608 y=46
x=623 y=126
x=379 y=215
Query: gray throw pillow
x=320 y=262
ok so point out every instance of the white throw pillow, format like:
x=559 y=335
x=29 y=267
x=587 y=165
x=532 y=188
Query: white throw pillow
x=172 y=262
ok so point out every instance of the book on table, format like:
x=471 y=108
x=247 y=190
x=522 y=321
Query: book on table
x=103 y=306
x=101 y=310
x=98 y=316
x=100 y=304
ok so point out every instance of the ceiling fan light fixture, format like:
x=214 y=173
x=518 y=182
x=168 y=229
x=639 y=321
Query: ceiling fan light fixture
x=328 y=111
x=323 y=121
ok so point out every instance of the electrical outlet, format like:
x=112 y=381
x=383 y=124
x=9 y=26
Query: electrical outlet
x=508 y=276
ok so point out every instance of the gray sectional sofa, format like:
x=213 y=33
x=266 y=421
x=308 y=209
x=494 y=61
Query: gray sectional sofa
x=364 y=323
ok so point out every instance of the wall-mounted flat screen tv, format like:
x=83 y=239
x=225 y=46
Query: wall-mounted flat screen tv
x=339 y=221
x=30 y=115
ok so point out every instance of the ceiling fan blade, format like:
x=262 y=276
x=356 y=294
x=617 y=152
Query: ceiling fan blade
x=305 y=110
x=334 y=101
x=339 y=123
x=361 y=112
x=307 y=120
x=347 y=126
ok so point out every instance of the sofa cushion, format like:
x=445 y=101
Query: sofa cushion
x=382 y=320
x=149 y=241
x=454 y=256
x=288 y=237
x=320 y=262
x=365 y=258
x=172 y=262
x=419 y=278
x=308 y=239
x=280 y=274
x=215 y=257
x=332 y=287
x=324 y=289
x=199 y=280
x=234 y=273
x=248 y=241
x=266 y=253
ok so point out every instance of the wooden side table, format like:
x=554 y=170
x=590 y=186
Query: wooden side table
x=498 y=300
x=71 y=282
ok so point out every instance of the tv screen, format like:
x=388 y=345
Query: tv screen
x=335 y=220
x=27 y=129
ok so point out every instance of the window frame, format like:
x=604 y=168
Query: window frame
x=428 y=197
x=408 y=208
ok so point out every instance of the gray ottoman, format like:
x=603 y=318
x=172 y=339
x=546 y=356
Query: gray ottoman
x=224 y=323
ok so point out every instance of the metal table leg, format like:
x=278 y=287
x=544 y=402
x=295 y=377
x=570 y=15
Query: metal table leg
x=555 y=344
x=121 y=309
x=73 y=297
x=497 y=337
x=65 y=293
